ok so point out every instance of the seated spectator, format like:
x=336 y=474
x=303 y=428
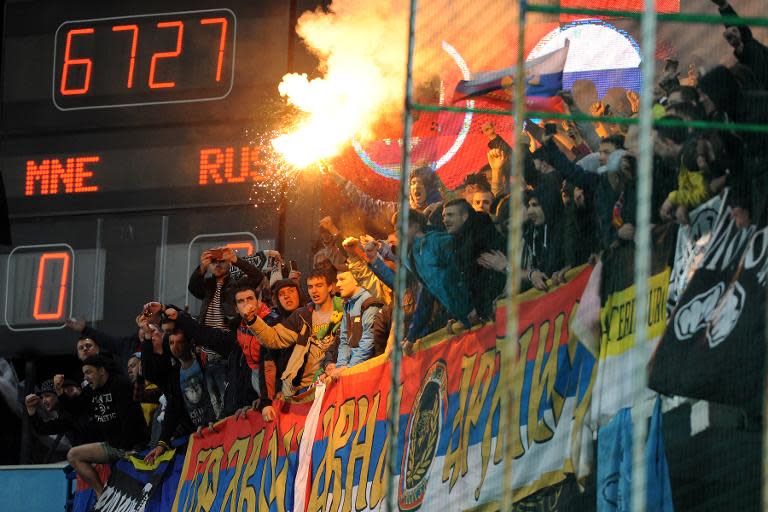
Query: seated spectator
x=115 y=420
x=356 y=343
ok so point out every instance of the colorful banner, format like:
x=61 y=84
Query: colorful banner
x=451 y=428
x=713 y=347
x=451 y=453
x=350 y=443
x=246 y=464
x=623 y=357
x=133 y=483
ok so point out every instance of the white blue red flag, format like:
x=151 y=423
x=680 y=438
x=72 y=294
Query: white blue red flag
x=543 y=80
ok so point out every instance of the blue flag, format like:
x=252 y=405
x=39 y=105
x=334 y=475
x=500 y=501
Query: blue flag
x=614 y=465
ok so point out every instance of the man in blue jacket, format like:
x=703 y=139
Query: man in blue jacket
x=432 y=258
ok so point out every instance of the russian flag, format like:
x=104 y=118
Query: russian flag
x=543 y=80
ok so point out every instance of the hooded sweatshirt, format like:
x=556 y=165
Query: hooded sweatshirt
x=544 y=245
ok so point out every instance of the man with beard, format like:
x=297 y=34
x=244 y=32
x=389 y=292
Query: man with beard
x=424 y=196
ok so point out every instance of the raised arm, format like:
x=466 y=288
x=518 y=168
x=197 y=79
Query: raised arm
x=727 y=9
x=275 y=337
x=569 y=170
x=196 y=285
x=218 y=340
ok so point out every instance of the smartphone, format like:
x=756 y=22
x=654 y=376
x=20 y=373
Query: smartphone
x=217 y=254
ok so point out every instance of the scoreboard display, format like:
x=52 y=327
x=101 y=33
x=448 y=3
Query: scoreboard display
x=183 y=57
x=39 y=287
x=127 y=148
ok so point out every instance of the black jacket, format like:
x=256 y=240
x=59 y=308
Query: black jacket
x=479 y=235
x=382 y=324
x=606 y=198
x=239 y=391
x=75 y=429
x=755 y=54
x=162 y=370
x=204 y=288
x=113 y=415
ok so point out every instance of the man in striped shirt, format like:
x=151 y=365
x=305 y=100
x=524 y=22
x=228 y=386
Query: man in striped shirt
x=217 y=308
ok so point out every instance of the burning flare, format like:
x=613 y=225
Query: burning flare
x=362 y=50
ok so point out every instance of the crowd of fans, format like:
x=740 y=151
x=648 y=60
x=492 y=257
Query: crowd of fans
x=270 y=332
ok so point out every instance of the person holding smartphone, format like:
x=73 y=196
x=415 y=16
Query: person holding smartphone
x=211 y=282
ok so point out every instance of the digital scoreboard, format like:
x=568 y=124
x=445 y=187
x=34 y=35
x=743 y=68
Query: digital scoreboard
x=127 y=148
x=39 y=289
x=144 y=59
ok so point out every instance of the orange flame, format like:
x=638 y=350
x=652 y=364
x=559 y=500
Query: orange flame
x=362 y=49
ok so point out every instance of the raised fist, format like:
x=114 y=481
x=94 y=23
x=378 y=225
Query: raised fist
x=32 y=402
x=496 y=158
x=76 y=324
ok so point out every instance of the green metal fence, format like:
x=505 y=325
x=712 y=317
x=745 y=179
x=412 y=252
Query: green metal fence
x=649 y=19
